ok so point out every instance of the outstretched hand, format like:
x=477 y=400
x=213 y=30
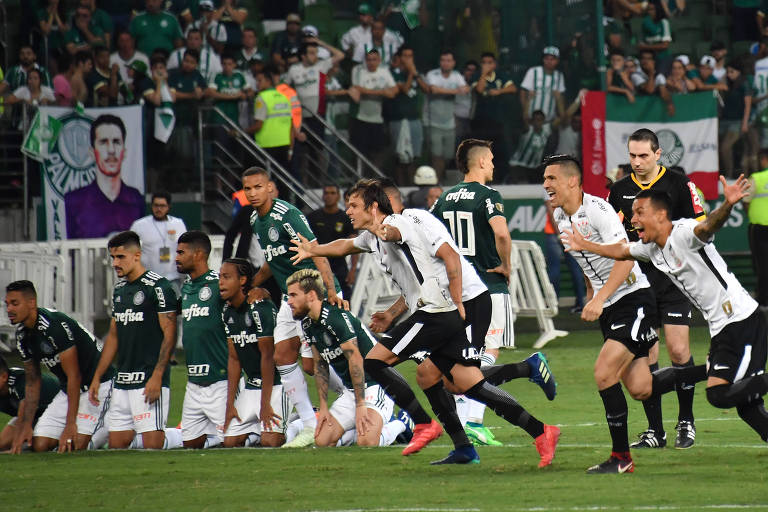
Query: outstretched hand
x=737 y=190
x=572 y=239
x=302 y=248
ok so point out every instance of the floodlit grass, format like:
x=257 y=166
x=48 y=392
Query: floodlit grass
x=724 y=470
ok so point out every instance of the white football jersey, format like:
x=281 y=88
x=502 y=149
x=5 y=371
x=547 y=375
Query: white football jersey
x=701 y=274
x=598 y=222
x=436 y=234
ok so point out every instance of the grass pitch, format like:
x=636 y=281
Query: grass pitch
x=725 y=470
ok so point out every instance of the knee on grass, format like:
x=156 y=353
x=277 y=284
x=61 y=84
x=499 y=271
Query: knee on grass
x=718 y=396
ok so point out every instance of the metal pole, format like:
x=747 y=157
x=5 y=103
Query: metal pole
x=600 y=38
x=550 y=23
x=200 y=157
x=25 y=204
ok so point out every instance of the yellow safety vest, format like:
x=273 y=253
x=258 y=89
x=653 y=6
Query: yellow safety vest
x=276 y=130
x=758 y=207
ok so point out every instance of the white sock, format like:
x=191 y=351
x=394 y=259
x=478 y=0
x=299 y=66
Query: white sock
x=253 y=439
x=390 y=431
x=476 y=410
x=462 y=407
x=172 y=439
x=334 y=381
x=296 y=388
x=293 y=430
x=137 y=443
x=98 y=439
x=210 y=441
x=348 y=438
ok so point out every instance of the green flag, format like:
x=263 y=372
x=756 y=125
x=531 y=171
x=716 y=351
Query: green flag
x=42 y=135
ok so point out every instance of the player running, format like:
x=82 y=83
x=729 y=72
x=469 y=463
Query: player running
x=683 y=250
x=672 y=307
x=260 y=409
x=70 y=352
x=141 y=335
x=205 y=344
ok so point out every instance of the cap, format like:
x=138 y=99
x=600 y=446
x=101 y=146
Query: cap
x=684 y=59
x=708 y=60
x=206 y=5
x=425 y=175
x=551 y=50
x=293 y=18
x=310 y=31
x=364 y=9
x=138 y=66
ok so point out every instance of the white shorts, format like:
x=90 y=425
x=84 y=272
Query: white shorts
x=343 y=408
x=287 y=327
x=248 y=405
x=129 y=411
x=501 y=332
x=203 y=410
x=89 y=417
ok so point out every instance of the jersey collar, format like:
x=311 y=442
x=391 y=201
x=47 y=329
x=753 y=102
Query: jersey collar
x=662 y=171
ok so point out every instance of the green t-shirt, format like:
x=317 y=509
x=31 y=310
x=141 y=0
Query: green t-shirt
x=17 y=77
x=491 y=108
x=274 y=232
x=203 y=336
x=56 y=35
x=694 y=73
x=135 y=307
x=244 y=327
x=333 y=328
x=74 y=35
x=403 y=106
x=9 y=404
x=228 y=85
x=53 y=333
x=181 y=81
x=466 y=210
x=152 y=31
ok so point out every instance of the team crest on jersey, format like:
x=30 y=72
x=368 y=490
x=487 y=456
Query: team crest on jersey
x=46 y=347
x=138 y=298
x=678 y=261
x=248 y=320
x=205 y=293
x=273 y=234
x=583 y=227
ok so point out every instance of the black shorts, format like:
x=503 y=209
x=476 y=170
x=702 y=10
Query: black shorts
x=367 y=137
x=739 y=350
x=631 y=321
x=478 y=318
x=672 y=307
x=439 y=336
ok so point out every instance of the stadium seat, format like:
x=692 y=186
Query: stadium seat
x=740 y=48
x=688 y=29
x=702 y=48
x=721 y=28
x=698 y=9
x=319 y=13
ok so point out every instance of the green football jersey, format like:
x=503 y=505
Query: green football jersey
x=244 y=326
x=53 y=333
x=203 y=336
x=9 y=404
x=334 y=327
x=466 y=210
x=229 y=85
x=135 y=307
x=274 y=231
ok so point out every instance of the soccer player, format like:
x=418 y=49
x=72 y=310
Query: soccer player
x=338 y=339
x=621 y=300
x=261 y=408
x=673 y=308
x=436 y=327
x=70 y=352
x=275 y=223
x=12 y=387
x=205 y=344
x=683 y=250
x=142 y=334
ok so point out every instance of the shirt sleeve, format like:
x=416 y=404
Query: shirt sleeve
x=690 y=205
x=363 y=241
x=527 y=82
x=61 y=336
x=224 y=321
x=388 y=80
x=342 y=326
x=325 y=65
x=165 y=297
x=684 y=232
x=493 y=206
x=640 y=251
x=264 y=319
x=26 y=355
x=259 y=109
x=607 y=222
x=404 y=225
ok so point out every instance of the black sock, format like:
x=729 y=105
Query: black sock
x=755 y=415
x=500 y=373
x=397 y=388
x=652 y=407
x=616 y=414
x=663 y=380
x=444 y=407
x=685 y=389
x=741 y=393
x=503 y=404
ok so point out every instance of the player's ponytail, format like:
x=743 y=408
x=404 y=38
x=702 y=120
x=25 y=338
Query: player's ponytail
x=244 y=268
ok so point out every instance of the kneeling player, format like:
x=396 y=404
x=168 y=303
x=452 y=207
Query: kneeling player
x=339 y=340
x=261 y=407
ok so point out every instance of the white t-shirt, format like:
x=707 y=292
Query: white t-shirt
x=699 y=271
x=217 y=31
x=531 y=146
x=306 y=80
x=639 y=77
x=568 y=142
x=369 y=109
x=598 y=222
x=46 y=92
x=390 y=43
x=115 y=58
x=209 y=65
x=542 y=86
x=354 y=37
x=440 y=111
x=760 y=83
x=158 y=244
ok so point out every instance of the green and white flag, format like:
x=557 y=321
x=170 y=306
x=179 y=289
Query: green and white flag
x=41 y=136
x=165 y=119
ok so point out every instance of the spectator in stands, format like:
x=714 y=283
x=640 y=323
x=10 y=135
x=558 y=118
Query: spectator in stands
x=617 y=77
x=209 y=64
x=101 y=19
x=530 y=149
x=272 y=127
x=155 y=28
x=403 y=116
x=425 y=178
x=719 y=51
x=656 y=34
x=82 y=65
x=359 y=35
x=288 y=38
x=228 y=88
x=213 y=33
x=745 y=22
x=543 y=87
x=734 y=116
x=120 y=12
x=337 y=104
x=140 y=82
x=704 y=76
x=433 y=195
x=614 y=38
x=330 y=223
x=249 y=51
x=567 y=137
x=615 y=174
x=103 y=81
x=677 y=82
x=50 y=22
x=445 y=84
x=489 y=112
x=190 y=86
x=463 y=107
x=17 y=75
x=125 y=54
x=84 y=34
x=371 y=83
x=672 y=8
x=62 y=89
x=34 y=93
x=647 y=81
x=231 y=15
x=384 y=40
